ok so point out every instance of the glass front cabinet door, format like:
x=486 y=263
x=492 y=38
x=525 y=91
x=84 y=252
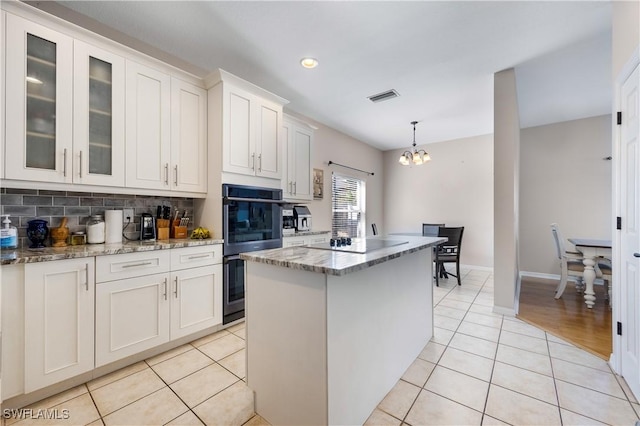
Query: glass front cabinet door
x=98 y=120
x=39 y=102
x=65 y=108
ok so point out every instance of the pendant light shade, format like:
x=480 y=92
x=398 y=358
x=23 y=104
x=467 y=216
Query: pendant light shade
x=414 y=156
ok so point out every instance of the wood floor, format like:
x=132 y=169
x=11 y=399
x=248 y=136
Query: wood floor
x=567 y=317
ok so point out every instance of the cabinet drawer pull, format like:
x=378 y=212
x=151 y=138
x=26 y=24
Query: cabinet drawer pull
x=165 y=289
x=176 y=290
x=81 y=164
x=64 y=162
x=134 y=265
x=166 y=173
x=199 y=256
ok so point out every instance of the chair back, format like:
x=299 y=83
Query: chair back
x=557 y=237
x=454 y=239
x=374 y=228
x=431 y=229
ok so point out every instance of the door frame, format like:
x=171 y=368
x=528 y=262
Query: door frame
x=615 y=360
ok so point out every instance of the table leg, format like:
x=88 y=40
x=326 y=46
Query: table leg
x=589 y=278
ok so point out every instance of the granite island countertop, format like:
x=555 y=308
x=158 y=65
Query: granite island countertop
x=339 y=263
x=27 y=255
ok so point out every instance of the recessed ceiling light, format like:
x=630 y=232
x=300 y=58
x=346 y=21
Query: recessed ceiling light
x=309 y=62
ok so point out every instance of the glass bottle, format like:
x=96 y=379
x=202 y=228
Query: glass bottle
x=95 y=230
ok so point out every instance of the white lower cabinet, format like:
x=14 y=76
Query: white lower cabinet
x=58 y=321
x=304 y=240
x=132 y=315
x=142 y=312
x=195 y=300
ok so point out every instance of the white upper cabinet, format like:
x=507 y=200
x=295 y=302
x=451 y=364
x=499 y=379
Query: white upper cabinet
x=298 y=137
x=99 y=116
x=39 y=100
x=148 y=138
x=251 y=120
x=188 y=137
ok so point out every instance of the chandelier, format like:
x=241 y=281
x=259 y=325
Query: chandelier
x=414 y=156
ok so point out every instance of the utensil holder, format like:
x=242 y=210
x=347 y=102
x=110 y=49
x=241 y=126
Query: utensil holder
x=162 y=229
x=178 y=231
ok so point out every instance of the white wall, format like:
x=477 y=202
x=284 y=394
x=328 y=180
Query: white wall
x=331 y=145
x=563 y=179
x=455 y=188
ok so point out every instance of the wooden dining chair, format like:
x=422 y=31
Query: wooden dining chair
x=449 y=252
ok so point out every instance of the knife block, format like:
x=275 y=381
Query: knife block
x=162 y=229
x=178 y=231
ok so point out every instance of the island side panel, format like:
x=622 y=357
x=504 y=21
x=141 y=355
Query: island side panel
x=378 y=321
x=286 y=344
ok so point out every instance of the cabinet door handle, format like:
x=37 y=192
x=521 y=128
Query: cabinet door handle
x=636 y=254
x=176 y=290
x=86 y=277
x=199 y=256
x=166 y=173
x=253 y=161
x=133 y=265
x=295 y=187
x=64 y=162
x=176 y=175
x=165 y=289
x=290 y=187
x=260 y=162
x=81 y=164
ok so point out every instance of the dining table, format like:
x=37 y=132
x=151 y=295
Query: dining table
x=591 y=249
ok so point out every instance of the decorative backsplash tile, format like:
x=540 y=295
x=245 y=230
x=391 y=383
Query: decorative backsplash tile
x=23 y=205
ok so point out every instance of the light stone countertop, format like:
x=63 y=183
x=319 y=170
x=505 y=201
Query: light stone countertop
x=27 y=255
x=332 y=262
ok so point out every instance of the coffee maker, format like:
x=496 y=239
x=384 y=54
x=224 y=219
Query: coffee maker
x=147 y=227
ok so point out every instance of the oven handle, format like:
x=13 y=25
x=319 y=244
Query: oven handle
x=228 y=259
x=227 y=200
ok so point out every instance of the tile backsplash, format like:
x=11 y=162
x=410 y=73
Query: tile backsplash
x=23 y=205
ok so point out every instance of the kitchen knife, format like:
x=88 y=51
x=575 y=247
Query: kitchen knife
x=159 y=212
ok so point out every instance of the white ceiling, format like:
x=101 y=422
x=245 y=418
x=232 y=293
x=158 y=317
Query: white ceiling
x=440 y=57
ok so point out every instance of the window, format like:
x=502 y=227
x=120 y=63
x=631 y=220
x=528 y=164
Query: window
x=347 y=206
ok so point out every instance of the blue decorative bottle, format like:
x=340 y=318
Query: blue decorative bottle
x=37 y=232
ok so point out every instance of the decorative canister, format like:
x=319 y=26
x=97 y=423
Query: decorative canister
x=37 y=232
x=95 y=230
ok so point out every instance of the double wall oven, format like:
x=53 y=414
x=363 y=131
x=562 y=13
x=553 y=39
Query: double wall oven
x=251 y=220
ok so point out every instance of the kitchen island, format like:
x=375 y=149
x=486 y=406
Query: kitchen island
x=329 y=332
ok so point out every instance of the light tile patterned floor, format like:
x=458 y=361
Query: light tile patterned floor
x=480 y=368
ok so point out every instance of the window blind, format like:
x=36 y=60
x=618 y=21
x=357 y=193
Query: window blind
x=348 y=206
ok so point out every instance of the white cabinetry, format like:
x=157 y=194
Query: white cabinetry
x=58 y=322
x=148 y=138
x=136 y=311
x=67 y=114
x=165 y=131
x=98 y=121
x=188 y=137
x=303 y=240
x=39 y=101
x=132 y=304
x=251 y=124
x=298 y=138
x=196 y=299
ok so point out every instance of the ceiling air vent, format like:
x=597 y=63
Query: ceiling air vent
x=389 y=94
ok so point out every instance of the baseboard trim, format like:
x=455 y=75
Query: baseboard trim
x=504 y=311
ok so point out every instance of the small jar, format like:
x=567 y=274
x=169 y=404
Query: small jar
x=78 y=238
x=95 y=230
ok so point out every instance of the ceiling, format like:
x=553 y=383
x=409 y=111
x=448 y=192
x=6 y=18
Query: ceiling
x=439 y=56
